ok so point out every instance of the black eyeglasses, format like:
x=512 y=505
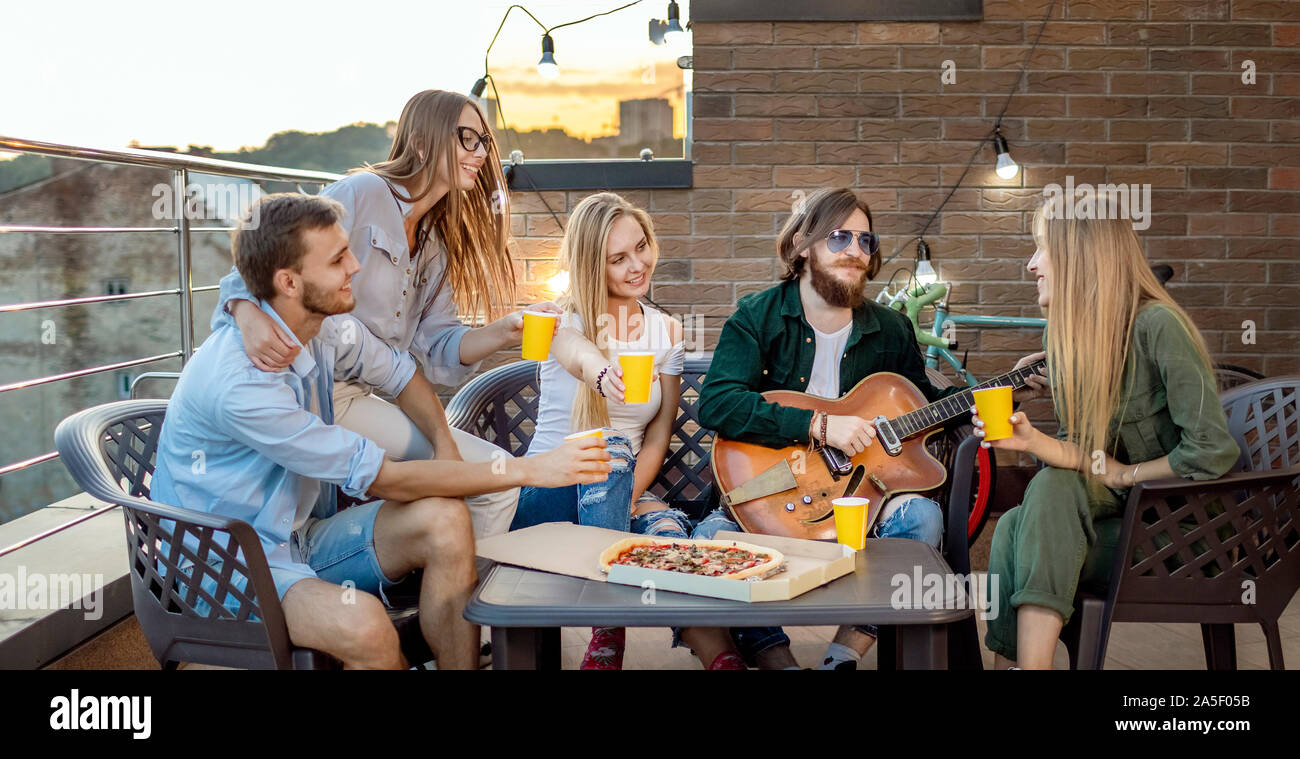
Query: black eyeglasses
x=470 y=139
x=839 y=240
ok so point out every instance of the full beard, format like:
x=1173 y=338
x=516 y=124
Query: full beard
x=834 y=291
x=316 y=301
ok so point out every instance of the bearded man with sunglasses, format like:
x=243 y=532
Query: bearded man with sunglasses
x=817 y=333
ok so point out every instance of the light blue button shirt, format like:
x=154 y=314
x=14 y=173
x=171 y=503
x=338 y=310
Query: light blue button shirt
x=254 y=445
x=395 y=301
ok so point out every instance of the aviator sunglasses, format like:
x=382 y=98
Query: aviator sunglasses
x=839 y=240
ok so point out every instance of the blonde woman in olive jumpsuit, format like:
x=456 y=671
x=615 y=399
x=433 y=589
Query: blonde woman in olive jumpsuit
x=1135 y=397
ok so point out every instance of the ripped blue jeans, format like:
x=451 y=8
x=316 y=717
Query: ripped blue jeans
x=599 y=504
x=917 y=518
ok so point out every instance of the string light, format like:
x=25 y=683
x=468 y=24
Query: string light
x=547 y=67
x=925 y=274
x=1005 y=167
x=674 y=34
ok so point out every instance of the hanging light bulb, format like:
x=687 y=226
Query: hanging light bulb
x=925 y=274
x=547 y=66
x=479 y=86
x=674 y=34
x=1005 y=167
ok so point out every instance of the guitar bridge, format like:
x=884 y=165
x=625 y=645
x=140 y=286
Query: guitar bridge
x=886 y=436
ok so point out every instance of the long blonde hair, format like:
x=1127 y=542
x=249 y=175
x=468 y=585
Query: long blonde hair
x=472 y=224
x=1100 y=280
x=582 y=254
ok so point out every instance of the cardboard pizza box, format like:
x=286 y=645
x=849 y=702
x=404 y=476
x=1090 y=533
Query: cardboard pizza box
x=574 y=550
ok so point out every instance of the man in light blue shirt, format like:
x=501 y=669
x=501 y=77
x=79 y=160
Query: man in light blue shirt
x=262 y=447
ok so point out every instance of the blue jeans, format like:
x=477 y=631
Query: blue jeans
x=599 y=504
x=917 y=518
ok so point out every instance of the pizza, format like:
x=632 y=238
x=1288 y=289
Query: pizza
x=728 y=559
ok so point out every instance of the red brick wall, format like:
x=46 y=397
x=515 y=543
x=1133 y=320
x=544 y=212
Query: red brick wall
x=1132 y=91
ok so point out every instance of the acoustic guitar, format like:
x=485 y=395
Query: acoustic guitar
x=788 y=491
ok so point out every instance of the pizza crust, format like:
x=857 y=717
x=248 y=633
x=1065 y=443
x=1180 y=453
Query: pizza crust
x=608 y=556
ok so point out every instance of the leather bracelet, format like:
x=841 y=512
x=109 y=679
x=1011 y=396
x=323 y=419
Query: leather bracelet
x=600 y=377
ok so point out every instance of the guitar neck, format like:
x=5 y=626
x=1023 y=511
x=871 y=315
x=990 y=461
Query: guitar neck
x=947 y=409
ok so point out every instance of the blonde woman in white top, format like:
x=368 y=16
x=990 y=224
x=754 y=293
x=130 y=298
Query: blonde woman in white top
x=610 y=253
x=429 y=228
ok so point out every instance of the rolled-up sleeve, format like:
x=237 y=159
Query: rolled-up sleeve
x=362 y=357
x=437 y=339
x=729 y=403
x=262 y=413
x=1206 y=449
x=232 y=288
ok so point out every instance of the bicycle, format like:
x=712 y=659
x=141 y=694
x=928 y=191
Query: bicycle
x=939 y=345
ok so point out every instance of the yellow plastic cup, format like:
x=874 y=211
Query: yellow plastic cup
x=851 y=521
x=994 y=407
x=539 y=327
x=637 y=367
x=595 y=432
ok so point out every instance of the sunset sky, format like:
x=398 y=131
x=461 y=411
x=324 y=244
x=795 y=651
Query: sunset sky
x=229 y=75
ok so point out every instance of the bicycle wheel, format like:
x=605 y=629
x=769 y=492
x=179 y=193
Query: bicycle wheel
x=943 y=447
x=1229 y=376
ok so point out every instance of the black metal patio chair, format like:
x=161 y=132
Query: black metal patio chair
x=1217 y=552
x=110 y=450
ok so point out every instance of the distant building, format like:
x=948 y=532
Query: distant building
x=644 y=122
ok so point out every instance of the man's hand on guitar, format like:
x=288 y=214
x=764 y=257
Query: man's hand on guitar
x=1035 y=384
x=851 y=434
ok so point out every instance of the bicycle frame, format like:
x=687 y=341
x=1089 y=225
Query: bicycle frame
x=938 y=345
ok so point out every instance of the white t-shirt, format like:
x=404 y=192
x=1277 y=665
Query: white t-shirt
x=825 y=379
x=559 y=388
x=825 y=383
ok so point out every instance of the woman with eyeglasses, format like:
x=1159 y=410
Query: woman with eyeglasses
x=429 y=228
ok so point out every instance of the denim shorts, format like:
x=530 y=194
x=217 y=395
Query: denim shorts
x=339 y=549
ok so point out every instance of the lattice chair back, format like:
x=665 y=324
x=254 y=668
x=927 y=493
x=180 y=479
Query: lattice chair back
x=686 y=479
x=1264 y=416
x=500 y=406
x=1229 y=547
x=201 y=585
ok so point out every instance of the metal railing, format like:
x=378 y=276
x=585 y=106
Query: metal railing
x=181 y=167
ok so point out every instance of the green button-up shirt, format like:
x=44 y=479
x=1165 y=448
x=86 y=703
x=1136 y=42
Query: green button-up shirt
x=1170 y=403
x=769 y=345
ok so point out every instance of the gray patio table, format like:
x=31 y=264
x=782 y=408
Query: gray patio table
x=526 y=608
